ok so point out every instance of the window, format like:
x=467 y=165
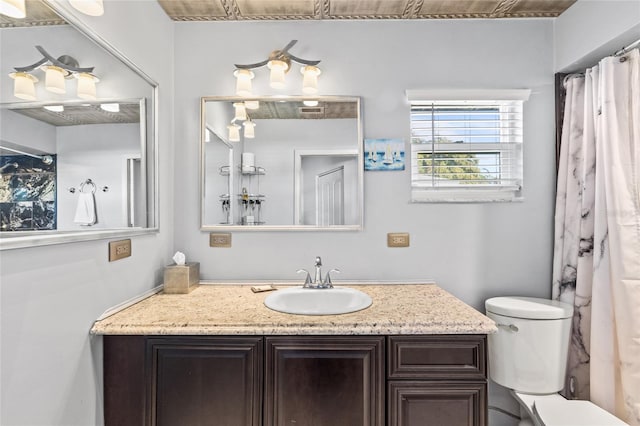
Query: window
x=466 y=150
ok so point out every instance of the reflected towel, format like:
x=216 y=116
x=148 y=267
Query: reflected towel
x=86 y=209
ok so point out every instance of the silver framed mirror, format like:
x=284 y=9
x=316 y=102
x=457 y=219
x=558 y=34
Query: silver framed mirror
x=281 y=163
x=105 y=147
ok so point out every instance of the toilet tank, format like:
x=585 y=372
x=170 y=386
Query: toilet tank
x=529 y=352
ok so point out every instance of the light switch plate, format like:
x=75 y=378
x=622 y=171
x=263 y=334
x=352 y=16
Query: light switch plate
x=119 y=249
x=220 y=239
x=398 y=239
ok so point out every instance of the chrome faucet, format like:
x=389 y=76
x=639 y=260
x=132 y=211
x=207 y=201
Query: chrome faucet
x=318 y=281
x=318 y=277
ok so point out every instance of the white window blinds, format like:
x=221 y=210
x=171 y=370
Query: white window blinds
x=466 y=150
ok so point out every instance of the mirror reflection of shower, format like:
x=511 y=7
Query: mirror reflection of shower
x=27 y=188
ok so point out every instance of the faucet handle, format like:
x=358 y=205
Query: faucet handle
x=307 y=280
x=327 y=279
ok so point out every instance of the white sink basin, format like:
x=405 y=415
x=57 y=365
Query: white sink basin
x=311 y=301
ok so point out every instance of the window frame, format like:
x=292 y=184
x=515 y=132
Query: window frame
x=509 y=146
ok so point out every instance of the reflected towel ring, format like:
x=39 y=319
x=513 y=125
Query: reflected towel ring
x=88 y=182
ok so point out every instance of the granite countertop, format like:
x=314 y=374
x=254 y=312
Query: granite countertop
x=236 y=310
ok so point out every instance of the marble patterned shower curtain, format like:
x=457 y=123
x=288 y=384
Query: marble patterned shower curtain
x=597 y=234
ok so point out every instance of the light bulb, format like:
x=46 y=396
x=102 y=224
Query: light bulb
x=310 y=79
x=234 y=132
x=87 y=86
x=88 y=7
x=54 y=79
x=243 y=82
x=13 y=8
x=23 y=86
x=249 y=129
x=278 y=68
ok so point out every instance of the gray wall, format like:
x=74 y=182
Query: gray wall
x=590 y=30
x=474 y=251
x=49 y=296
x=51 y=367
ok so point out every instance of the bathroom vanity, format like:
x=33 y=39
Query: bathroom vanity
x=416 y=356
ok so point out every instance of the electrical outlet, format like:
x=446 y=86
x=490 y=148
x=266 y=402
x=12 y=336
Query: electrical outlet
x=398 y=239
x=220 y=239
x=119 y=249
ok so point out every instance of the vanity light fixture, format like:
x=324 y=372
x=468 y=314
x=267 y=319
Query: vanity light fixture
x=279 y=62
x=24 y=85
x=243 y=81
x=13 y=8
x=56 y=71
x=88 y=7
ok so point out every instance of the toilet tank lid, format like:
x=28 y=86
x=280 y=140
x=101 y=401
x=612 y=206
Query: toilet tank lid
x=529 y=308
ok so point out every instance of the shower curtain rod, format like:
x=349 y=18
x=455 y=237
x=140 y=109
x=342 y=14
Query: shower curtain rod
x=47 y=159
x=620 y=52
x=627 y=48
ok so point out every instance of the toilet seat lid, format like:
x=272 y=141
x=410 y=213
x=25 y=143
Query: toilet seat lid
x=557 y=412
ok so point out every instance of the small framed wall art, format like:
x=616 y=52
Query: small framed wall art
x=384 y=154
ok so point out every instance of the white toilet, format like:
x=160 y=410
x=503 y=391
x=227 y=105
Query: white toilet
x=528 y=355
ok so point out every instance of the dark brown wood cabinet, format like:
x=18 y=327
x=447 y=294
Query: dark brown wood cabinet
x=436 y=380
x=295 y=380
x=324 y=381
x=202 y=381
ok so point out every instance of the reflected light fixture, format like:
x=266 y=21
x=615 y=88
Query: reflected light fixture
x=13 y=8
x=249 y=129
x=56 y=71
x=279 y=62
x=88 y=7
x=112 y=107
x=310 y=103
x=54 y=108
x=234 y=132
x=252 y=104
x=240 y=111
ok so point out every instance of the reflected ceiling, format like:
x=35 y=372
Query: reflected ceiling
x=83 y=114
x=237 y=10
x=38 y=14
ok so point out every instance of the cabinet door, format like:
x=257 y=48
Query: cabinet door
x=436 y=403
x=205 y=381
x=324 y=381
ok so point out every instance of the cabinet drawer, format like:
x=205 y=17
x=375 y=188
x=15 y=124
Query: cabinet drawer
x=436 y=403
x=437 y=357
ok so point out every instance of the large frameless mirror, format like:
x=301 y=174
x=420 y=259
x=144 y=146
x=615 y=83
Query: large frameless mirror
x=281 y=163
x=77 y=162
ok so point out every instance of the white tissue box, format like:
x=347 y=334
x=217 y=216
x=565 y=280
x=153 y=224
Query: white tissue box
x=180 y=279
